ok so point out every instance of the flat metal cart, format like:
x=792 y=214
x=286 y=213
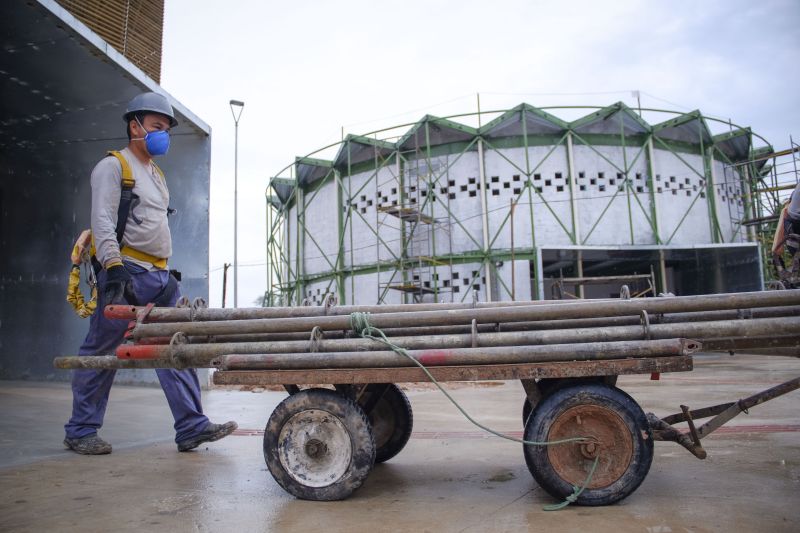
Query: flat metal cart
x=322 y=443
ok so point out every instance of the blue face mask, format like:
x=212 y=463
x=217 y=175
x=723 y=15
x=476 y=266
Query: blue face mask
x=157 y=142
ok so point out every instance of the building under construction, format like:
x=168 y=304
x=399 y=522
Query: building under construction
x=520 y=204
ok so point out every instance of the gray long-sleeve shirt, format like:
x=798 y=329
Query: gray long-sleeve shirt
x=147 y=229
x=794 y=203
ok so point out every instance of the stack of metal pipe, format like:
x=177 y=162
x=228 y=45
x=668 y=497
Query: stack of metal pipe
x=283 y=338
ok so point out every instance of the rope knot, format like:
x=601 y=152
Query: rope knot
x=359 y=322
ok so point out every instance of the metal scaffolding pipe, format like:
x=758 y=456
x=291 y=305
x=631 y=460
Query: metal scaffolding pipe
x=463 y=356
x=186 y=314
x=730 y=344
x=108 y=362
x=483 y=315
x=199 y=354
x=766 y=312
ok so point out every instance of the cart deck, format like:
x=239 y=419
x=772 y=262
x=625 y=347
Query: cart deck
x=571 y=369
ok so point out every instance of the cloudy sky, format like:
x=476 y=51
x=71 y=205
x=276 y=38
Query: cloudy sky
x=305 y=70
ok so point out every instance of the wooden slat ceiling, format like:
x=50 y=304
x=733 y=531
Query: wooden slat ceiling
x=133 y=27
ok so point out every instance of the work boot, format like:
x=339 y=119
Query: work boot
x=211 y=433
x=89 y=445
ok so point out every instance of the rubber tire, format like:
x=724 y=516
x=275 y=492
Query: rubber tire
x=622 y=404
x=394 y=402
x=355 y=422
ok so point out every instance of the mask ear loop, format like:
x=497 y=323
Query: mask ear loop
x=141 y=126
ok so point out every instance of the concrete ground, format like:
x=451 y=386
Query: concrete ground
x=450 y=476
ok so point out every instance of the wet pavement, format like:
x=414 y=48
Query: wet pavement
x=450 y=476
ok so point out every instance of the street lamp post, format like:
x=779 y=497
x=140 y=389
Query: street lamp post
x=240 y=105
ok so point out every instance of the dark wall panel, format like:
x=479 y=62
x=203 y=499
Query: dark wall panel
x=60 y=112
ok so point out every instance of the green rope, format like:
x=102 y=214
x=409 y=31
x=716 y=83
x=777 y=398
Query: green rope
x=576 y=491
x=359 y=322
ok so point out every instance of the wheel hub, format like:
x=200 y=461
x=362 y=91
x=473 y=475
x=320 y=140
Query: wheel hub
x=610 y=443
x=590 y=449
x=314 y=448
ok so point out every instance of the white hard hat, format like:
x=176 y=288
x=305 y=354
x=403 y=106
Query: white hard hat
x=150 y=103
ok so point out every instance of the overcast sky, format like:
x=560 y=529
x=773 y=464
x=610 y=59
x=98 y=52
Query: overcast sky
x=306 y=69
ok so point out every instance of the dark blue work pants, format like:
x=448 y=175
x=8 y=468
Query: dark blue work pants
x=90 y=388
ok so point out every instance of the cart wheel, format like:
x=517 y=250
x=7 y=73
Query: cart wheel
x=548 y=386
x=526 y=412
x=318 y=445
x=622 y=440
x=392 y=421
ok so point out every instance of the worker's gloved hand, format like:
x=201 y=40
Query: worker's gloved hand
x=118 y=289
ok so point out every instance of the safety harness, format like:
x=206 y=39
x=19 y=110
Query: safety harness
x=83 y=253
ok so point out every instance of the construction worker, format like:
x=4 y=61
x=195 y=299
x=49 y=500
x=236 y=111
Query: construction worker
x=786 y=234
x=131 y=259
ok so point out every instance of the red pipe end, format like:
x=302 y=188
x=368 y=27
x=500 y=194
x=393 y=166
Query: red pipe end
x=120 y=312
x=148 y=351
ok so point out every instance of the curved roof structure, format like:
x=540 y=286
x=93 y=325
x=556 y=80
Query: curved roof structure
x=683 y=132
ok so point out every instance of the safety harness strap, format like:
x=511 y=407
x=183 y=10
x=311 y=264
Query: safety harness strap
x=126 y=195
x=159 y=262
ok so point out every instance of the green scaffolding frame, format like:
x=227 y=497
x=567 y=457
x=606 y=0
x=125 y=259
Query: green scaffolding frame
x=289 y=198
